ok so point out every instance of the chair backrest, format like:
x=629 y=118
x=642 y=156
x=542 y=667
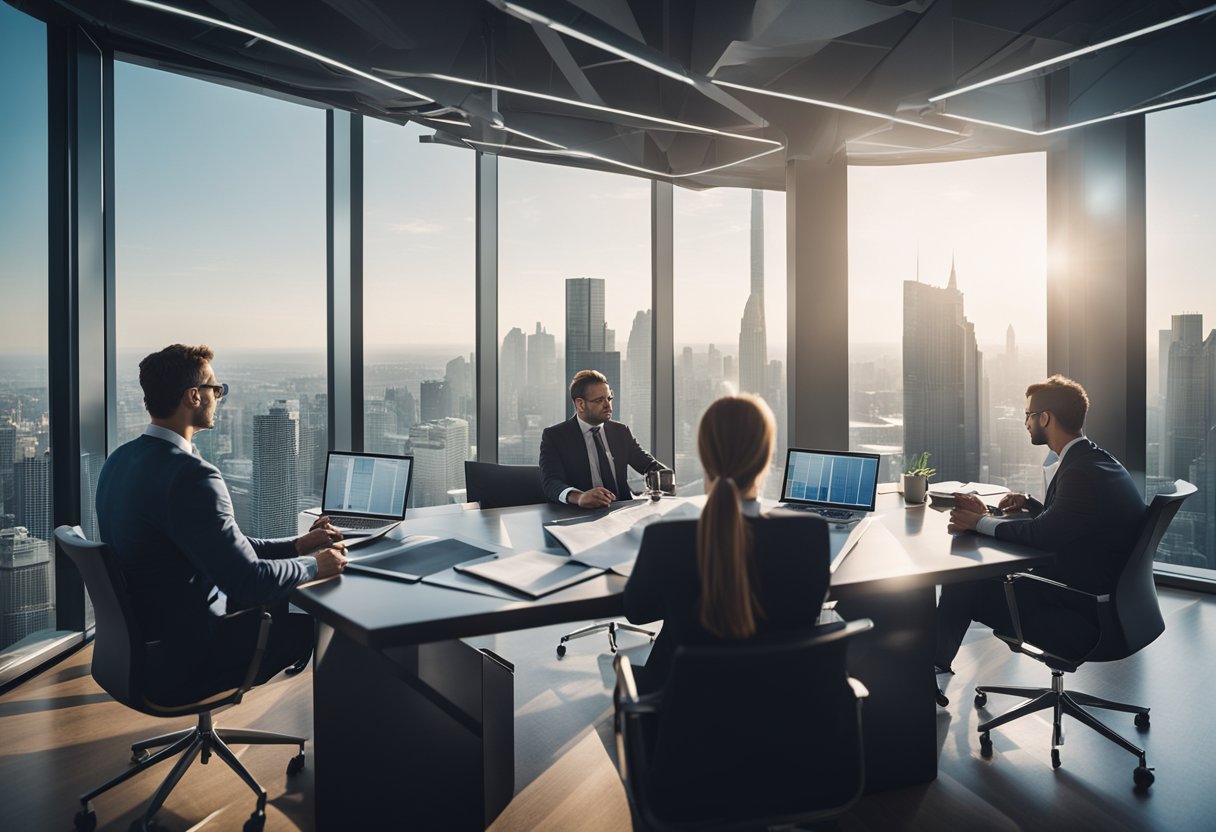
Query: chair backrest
x=1138 y=615
x=767 y=732
x=499 y=486
x=118 y=649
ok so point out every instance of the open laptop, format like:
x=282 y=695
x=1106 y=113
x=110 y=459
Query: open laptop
x=840 y=486
x=366 y=491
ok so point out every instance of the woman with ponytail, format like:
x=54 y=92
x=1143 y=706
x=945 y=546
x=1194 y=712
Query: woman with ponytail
x=734 y=573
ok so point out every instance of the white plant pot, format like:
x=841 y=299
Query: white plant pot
x=914 y=487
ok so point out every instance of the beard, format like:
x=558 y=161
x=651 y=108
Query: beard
x=204 y=419
x=1038 y=436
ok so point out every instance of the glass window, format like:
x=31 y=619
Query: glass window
x=730 y=314
x=948 y=315
x=220 y=240
x=1181 y=311
x=574 y=294
x=27 y=568
x=419 y=246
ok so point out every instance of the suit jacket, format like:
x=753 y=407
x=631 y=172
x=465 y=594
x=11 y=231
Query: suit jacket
x=167 y=516
x=1090 y=517
x=564 y=462
x=790 y=558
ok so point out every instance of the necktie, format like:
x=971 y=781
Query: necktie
x=601 y=455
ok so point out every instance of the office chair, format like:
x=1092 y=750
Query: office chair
x=744 y=736
x=1116 y=625
x=500 y=486
x=119 y=665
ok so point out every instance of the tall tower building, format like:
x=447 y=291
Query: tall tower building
x=513 y=377
x=942 y=380
x=435 y=400
x=440 y=448
x=586 y=333
x=402 y=403
x=635 y=409
x=276 y=437
x=546 y=389
x=32 y=486
x=1185 y=397
x=27 y=586
x=753 y=336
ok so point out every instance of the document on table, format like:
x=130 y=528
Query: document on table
x=416 y=556
x=611 y=541
x=533 y=573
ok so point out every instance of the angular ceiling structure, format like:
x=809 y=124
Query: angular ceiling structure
x=708 y=93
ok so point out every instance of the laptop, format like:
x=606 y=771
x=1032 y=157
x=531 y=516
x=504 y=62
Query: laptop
x=366 y=491
x=840 y=486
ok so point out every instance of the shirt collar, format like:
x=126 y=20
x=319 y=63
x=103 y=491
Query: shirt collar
x=169 y=436
x=750 y=508
x=1064 y=450
x=583 y=426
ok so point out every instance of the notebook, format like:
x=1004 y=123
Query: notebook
x=366 y=491
x=840 y=486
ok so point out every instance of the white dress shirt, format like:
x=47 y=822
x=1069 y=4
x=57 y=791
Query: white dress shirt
x=170 y=436
x=594 y=457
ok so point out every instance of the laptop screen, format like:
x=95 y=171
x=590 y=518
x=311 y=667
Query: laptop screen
x=370 y=485
x=831 y=479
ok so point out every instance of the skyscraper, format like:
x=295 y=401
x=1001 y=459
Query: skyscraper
x=635 y=409
x=1185 y=397
x=586 y=333
x=513 y=377
x=440 y=448
x=27 y=586
x=942 y=380
x=33 y=495
x=753 y=337
x=435 y=400
x=546 y=389
x=276 y=437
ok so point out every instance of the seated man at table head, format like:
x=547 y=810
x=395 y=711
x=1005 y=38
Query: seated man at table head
x=1090 y=516
x=167 y=515
x=584 y=460
x=735 y=572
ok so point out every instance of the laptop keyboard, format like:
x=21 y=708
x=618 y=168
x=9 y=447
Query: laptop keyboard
x=358 y=522
x=836 y=513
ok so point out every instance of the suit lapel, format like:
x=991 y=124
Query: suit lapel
x=1074 y=453
x=581 y=471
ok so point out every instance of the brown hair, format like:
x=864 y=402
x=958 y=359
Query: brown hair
x=1064 y=398
x=165 y=375
x=735 y=441
x=584 y=379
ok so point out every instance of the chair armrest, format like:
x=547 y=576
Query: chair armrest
x=626 y=692
x=256 y=621
x=1042 y=589
x=859 y=690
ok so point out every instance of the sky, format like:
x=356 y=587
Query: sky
x=220 y=227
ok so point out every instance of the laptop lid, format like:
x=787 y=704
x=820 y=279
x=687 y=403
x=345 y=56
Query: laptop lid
x=830 y=479
x=367 y=485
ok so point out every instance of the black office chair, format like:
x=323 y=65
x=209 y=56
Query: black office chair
x=1111 y=627
x=119 y=664
x=746 y=736
x=500 y=486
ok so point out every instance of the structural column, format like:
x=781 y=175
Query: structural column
x=817 y=243
x=486 y=337
x=1096 y=278
x=662 y=326
x=344 y=277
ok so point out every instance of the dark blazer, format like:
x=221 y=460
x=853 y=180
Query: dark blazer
x=1090 y=517
x=564 y=462
x=167 y=516
x=790 y=558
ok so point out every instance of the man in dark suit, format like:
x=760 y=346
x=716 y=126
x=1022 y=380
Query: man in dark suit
x=1090 y=517
x=584 y=460
x=167 y=515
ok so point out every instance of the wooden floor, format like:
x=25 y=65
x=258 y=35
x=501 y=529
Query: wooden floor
x=60 y=735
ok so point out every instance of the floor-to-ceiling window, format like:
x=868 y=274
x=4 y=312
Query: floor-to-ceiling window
x=27 y=570
x=947 y=315
x=1180 y=174
x=418 y=304
x=730 y=313
x=220 y=239
x=574 y=294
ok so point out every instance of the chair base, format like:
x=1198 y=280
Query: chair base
x=1064 y=702
x=204 y=739
x=611 y=627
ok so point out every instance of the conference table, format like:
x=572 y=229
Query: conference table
x=411 y=722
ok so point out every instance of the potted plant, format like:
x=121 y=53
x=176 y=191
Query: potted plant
x=914 y=481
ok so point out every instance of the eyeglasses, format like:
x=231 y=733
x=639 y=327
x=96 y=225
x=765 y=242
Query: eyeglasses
x=600 y=400
x=220 y=390
x=1030 y=413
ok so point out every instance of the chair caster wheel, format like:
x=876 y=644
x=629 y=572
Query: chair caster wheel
x=986 y=744
x=981 y=699
x=561 y=650
x=296 y=764
x=1143 y=775
x=1055 y=758
x=85 y=820
x=139 y=756
x=256 y=822
x=1142 y=721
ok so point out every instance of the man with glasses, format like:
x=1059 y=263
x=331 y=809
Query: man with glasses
x=1090 y=516
x=167 y=515
x=584 y=460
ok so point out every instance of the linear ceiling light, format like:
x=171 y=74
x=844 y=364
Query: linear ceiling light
x=833 y=106
x=1157 y=27
x=1122 y=114
x=299 y=50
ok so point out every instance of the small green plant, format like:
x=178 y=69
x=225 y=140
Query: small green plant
x=918 y=466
